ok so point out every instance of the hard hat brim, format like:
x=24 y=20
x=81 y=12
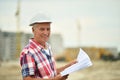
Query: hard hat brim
x=38 y=23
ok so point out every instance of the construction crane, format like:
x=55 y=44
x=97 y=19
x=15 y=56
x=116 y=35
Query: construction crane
x=18 y=34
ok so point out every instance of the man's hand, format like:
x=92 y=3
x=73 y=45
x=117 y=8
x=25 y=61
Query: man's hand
x=59 y=77
x=63 y=67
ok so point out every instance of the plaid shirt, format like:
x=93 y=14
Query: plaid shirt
x=36 y=62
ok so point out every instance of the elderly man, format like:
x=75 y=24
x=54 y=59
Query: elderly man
x=36 y=58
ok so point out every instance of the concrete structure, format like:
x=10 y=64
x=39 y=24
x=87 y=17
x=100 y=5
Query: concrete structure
x=8 y=45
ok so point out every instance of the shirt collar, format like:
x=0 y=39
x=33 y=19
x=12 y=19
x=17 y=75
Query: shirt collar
x=38 y=45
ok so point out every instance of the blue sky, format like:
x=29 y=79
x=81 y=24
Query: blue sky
x=99 y=20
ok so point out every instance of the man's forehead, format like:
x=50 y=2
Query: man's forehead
x=45 y=25
x=42 y=24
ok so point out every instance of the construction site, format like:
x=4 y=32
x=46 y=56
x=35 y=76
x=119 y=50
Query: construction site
x=106 y=60
x=105 y=65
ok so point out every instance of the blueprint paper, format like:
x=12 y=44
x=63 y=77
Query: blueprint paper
x=83 y=62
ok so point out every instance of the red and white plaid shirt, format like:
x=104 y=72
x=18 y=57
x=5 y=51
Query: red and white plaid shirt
x=35 y=62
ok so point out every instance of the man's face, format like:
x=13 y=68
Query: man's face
x=41 y=32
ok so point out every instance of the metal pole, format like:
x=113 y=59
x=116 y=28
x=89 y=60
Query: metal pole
x=18 y=34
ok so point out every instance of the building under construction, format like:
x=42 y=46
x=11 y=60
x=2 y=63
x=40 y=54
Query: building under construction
x=8 y=49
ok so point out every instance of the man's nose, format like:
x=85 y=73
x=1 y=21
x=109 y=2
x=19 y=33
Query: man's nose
x=46 y=31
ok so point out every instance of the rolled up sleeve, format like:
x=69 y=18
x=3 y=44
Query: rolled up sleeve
x=28 y=65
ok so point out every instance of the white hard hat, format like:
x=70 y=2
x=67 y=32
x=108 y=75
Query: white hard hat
x=39 y=18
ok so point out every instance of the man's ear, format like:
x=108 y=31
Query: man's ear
x=32 y=29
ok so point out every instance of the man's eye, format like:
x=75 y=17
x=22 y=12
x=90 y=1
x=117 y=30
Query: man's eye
x=48 y=29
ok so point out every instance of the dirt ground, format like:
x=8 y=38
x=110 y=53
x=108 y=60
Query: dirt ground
x=101 y=70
